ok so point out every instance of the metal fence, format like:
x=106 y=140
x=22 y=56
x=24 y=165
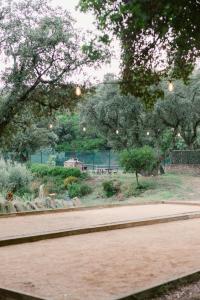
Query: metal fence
x=185 y=157
x=93 y=159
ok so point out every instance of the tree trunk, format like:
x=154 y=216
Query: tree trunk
x=136 y=174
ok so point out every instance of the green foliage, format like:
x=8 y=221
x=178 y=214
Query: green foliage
x=52 y=160
x=108 y=112
x=71 y=136
x=14 y=176
x=138 y=160
x=45 y=170
x=178 y=117
x=79 y=190
x=69 y=180
x=43 y=50
x=153 y=37
x=111 y=187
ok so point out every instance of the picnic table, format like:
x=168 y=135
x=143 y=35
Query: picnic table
x=106 y=171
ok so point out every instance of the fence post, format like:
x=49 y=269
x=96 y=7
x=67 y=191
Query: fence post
x=109 y=159
x=93 y=160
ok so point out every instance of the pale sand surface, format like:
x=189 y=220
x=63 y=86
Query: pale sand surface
x=33 y=224
x=104 y=265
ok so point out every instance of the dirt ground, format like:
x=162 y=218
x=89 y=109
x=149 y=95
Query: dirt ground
x=33 y=224
x=104 y=265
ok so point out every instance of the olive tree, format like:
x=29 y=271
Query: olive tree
x=138 y=160
x=40 y=51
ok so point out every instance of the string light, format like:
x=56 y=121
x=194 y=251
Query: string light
x=147 y=132
x=179 y=135
x=50 y=126
x=84 y=129
x=170 y=86
x=117 y=131
x=78 y=91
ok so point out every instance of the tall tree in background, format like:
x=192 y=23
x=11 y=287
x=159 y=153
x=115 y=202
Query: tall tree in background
x=40 y=51
x=116 y=117
x=181 y=111
x=159 y=38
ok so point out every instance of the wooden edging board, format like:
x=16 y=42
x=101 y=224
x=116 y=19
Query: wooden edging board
x=163 y=288
x=82 y=208
x=103 y=227
x=61 y=210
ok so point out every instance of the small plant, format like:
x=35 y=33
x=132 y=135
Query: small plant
x=111 y=187
x=78 y=190
x=52 y=160
x=13 y=176
x=85 y=189
x=69 y=180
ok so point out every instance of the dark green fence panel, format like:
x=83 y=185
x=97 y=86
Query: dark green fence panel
x=93 y=159
x=185 y=157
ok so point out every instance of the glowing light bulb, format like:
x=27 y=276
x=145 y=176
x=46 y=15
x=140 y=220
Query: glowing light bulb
x=117 y=131
x=179 y=135
x=84 y=129
x=170 y=86
x=78 y=91
x=50 y=126
x=148 y=133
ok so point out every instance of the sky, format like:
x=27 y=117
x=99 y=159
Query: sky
x=85 y=22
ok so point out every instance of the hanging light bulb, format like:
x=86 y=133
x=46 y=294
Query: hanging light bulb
x=179 y=135
x=84 y=129
x=170 y=86
x=117 y=131
x=50 y=126
x=78 y=91
x=148 y=133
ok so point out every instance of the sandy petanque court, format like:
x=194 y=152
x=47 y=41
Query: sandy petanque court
x=41 y=223
x=102 y=265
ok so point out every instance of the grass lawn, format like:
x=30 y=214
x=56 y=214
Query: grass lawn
x=170 y=186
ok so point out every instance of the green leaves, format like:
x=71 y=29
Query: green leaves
x=154 y=36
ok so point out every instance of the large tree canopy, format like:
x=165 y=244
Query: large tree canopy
x=117 y=118
x=40 y=51
x=181 y=111
x=159 y=38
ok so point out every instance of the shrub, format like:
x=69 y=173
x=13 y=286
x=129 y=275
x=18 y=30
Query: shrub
x=69 y=180
x=111 y=187
x=14 y=176
x=78 y=190
x=85 y=189
x=138 y=160
x=45 y=170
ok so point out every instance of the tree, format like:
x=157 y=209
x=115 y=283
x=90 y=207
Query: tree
x=40 y=51
x=116 y=117
x=181 y=111
x=159 y=39
x=29 y=137
x=71 y=136
x=138 y=160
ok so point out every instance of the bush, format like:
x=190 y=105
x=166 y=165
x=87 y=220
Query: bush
x=69 y=180
x=45 y=170
x=111 y=187
x=78 y=190
x=14 y=176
